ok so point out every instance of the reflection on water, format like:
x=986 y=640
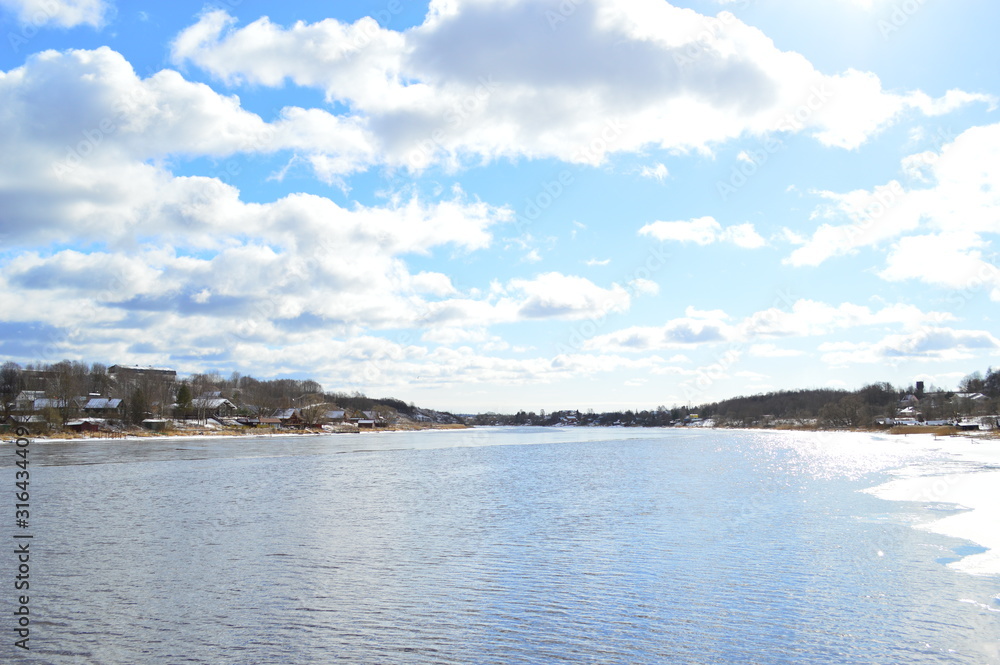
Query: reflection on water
x=491 y=546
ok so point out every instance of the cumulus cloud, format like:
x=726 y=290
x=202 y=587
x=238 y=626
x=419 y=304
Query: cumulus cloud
x=694 y=329
x=118 y=116
x=938 y=231
x=930 y=344
x=805 y=318
x=955 y=260
x=704 y=231
x=93 y=141
x=811 y=318
x=656 y=172
x=452 y=89
x=61 y=13
x=564 y=296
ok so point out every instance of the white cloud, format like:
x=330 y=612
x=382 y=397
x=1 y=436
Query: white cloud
x=954 y=260
x=704 y=231
x=645 y=287
x=86 y=123
x=433 y=283
x=953 y=205
x=453 y=336
x=678 y=333
x=376 y=364
x=643 y=74
x=564 y=296
x=61 y=13
x=805 y=318
x=743 y=235
x=930 y=344
x=811 y=318
x=656 y=172
x=93 y=137
x=875 y=216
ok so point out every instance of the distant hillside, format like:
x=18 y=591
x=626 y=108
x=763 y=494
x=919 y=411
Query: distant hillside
x=977 y=395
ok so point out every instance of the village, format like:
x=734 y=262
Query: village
x=877 y=406
x=134 y=400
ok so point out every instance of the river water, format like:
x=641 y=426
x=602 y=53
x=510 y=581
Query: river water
x=506 y=545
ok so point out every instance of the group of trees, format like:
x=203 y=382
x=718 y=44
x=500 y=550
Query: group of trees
x=792 y=405
x=152 y=395
x=67 y=385
x=246 y=391
x=660 y=417
x=824 y=406
x=977 y=383
x=876 y=400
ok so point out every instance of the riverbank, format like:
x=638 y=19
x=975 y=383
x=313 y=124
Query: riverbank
x=133 y=436
x=896 y=430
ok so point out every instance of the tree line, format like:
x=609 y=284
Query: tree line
x=146 y=396
x=825 y=407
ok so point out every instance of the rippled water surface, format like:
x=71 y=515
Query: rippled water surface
x=492 y=546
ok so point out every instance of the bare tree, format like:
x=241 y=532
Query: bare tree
x=11 y=385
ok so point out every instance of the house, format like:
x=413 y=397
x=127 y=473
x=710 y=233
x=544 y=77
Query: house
x=43 y=403
x=973 y=396
x=335 y=416
x=31 y=421
x=368 y=419
x=288 y=417
x=983 y=423
x=85 y=425
x=213 y=407
x=102 y=407
x=155 y=424
x=25 y=400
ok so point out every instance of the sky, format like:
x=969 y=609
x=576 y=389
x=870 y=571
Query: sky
x=494 y=205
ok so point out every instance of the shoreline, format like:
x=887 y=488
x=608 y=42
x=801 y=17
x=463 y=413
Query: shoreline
x=131 y=437
x=224 y=434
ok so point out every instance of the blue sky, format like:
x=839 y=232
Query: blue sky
x=495 y=204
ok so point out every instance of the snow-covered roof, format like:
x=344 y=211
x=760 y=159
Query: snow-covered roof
x=211 y=403
x=102 y=403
